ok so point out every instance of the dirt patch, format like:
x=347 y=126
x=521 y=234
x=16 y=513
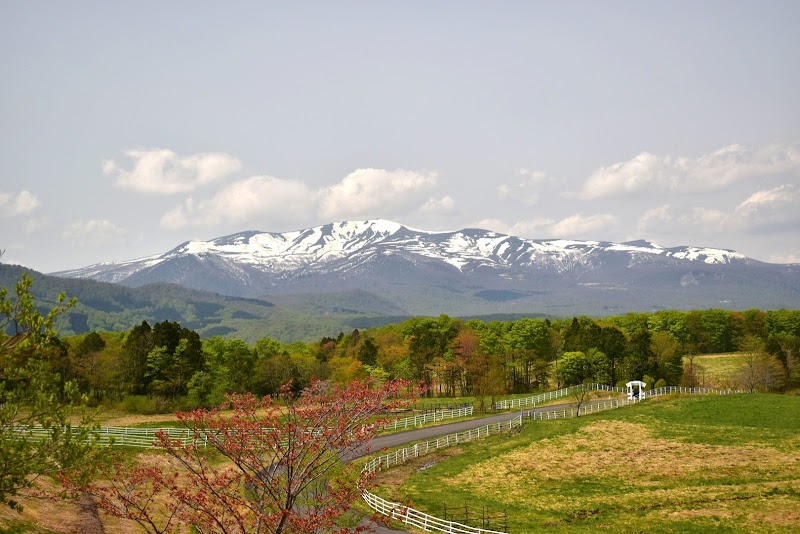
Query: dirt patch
x=88 y=517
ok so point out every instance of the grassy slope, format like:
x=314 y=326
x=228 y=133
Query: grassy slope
x=731 y=464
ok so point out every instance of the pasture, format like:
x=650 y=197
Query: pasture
x=673 y=464
x=717 y=370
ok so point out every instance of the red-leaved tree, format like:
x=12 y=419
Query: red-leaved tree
x=263 y=466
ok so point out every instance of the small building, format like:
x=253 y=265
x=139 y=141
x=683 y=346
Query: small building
x=636 y=389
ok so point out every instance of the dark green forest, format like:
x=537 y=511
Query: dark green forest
x=170 y=360
x=167 y=366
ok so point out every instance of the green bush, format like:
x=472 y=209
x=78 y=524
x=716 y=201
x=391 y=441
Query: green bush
x=649 y=380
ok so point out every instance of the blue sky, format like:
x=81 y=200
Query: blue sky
x=128 y=128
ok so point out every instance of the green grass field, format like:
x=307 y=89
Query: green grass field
x=675 y=464
x=717 y=370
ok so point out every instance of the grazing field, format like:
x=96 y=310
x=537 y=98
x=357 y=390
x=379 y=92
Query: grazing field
x=717 y=370
x=676 y=464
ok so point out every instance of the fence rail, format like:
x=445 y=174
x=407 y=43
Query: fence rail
x=551 y=395
x=595 y=407
x=417 y=420
x=414 y=517
x=693 y=391
x=418 y=519
x=124 y=437
x=147 y=437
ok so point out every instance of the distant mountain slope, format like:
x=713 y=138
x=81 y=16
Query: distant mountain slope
x=465 y=272
x=112 y=307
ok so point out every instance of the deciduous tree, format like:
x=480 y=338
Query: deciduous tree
x=284 y=467
x=37 y=405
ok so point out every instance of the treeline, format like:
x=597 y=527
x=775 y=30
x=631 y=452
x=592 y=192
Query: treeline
x=170 y=365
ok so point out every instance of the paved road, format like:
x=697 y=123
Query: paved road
x=431 y=432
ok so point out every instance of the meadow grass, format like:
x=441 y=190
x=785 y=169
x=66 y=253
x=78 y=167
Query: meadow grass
x=717 y=370
x=677 y=464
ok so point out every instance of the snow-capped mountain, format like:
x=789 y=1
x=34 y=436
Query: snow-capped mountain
x=419 y=268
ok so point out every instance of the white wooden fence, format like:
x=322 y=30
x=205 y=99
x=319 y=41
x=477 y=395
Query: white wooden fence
x=509 y=404
x=418 y=519
x=594 y=407
x=147 y=438
x=413 y=517
x=124 y=437
x=417 y=420
x=692 y=391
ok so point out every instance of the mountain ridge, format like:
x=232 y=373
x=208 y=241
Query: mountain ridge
x=462 y=272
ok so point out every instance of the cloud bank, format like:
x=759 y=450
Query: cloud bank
x=710 y=172
x=163 y=172
x=528 y=189
x=364 y=193
x=92 y=233
x=575 y=226
x=767 y=210
x=13 y=205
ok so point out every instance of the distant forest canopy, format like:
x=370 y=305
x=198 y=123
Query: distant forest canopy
x=110 y=307
x=166 y=366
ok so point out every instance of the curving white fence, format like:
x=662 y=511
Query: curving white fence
x=551 y=395
x=595 y=407
x=418 y=519
x=123 y=437
x=146 y=437
x=417 y=420
x=413 y=517
x=692 y=391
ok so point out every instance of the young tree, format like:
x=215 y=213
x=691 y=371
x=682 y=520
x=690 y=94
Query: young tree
x=580 y=393
x=759 y=371
x=284 y=467
x=36 y=403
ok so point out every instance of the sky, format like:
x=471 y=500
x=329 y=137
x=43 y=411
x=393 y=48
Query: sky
x=128 y=128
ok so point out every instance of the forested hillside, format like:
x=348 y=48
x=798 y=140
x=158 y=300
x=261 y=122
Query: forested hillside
x=104 y=306
x=166 y=365
x=164 y=358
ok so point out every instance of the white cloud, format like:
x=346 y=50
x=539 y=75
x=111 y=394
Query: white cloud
x=34 y=225
x=252 y=199
x=376 y=193
x=438 y=206
x=575 y=226
x=766 y=210
x=528 y=189
x=771 y=209
x=785 y=257
x=710 y=172
x=578 y=226
x=683 y=221
x=496 y=225
x=93 y=233
x=363 y=193
x=162 y=171
x=12 y=205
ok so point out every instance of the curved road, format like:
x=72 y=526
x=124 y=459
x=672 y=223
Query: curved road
x=426 y=433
